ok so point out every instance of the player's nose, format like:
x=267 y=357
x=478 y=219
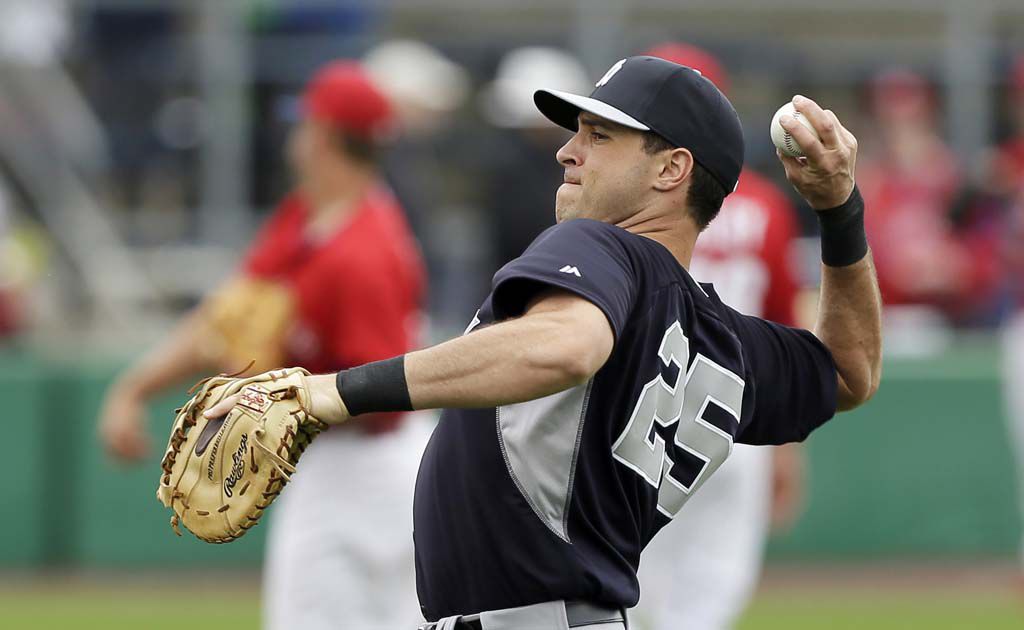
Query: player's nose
x=569 y=154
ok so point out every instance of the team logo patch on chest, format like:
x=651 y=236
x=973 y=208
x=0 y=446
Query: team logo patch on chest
x=255 y=398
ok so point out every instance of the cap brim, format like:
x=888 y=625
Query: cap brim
x=563 y=108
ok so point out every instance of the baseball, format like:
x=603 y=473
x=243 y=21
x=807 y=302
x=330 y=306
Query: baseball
x=786 y=143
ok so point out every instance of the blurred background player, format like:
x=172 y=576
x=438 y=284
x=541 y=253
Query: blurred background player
x=336 y=280
x=929 y=270
x=1003 y=212
x=424 y=166
x=521 y=173
x=701 y=571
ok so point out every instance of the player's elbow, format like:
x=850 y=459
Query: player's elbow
x=858 y=387
x=584 y=363
x=570 y=339
x=571 y=360
x=569 y=356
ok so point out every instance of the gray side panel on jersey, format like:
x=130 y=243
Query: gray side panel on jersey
x=540 y=441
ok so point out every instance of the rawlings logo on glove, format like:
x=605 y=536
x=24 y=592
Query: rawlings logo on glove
x=218 y=493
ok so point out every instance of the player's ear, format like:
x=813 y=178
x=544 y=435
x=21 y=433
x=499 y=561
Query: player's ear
x=675 y=167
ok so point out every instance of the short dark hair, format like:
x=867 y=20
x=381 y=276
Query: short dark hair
x=358 y=148
x=705 y=196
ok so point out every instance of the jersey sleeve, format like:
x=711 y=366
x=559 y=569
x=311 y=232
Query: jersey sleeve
x=581 y=256
x=794 y=381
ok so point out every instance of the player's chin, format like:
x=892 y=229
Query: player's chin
x=566 y=201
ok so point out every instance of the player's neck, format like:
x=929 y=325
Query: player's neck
x=675 y=235
x=333 y=202
x=339 y=195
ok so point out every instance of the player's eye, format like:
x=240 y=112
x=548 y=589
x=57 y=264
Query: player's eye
x=596 y=135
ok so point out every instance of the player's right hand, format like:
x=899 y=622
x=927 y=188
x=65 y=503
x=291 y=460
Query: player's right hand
x=122 y=426
x=825 y=176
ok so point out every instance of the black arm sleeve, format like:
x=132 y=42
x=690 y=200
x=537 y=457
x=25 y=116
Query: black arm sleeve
x=794 y=381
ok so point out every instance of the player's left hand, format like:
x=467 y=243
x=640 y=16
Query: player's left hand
x=122 y=425
x=825 y=176
x=325 y=402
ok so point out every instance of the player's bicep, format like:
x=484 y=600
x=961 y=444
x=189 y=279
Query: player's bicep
x=584 y=331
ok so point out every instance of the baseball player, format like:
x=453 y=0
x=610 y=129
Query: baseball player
x=599 y=386
x=1008 y=173
x=336 y=279
x=703 y=569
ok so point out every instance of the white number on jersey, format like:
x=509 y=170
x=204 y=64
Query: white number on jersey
x=682 y=403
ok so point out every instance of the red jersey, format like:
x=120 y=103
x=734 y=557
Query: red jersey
x=746 y=251
x=1009 y=166
x=920 y=255
x=357 y=291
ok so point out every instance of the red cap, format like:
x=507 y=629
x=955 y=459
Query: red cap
x=900 y=93
x=342 y=94
x=693 y=57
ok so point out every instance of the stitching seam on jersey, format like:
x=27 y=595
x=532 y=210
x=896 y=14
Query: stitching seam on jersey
x=519 y=485
x=575 y=456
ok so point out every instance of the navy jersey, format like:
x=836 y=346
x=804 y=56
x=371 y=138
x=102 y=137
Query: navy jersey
x=555 y=498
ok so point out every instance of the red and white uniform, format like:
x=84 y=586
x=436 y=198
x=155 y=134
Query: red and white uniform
x=1011 y=248
x=357 y=291
x=920 y=256
x=339 y=551
x=701 y=570
x=746 y=251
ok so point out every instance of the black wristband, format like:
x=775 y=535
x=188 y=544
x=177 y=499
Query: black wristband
x=374 y=387
x=843 y=241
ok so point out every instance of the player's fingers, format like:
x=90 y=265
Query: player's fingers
x=793 y=166
x=822 y=123
x=135 y=449
x=811 y=146
x=127 y=445
x=848 y=138
x=222 y=408
x=843 y=132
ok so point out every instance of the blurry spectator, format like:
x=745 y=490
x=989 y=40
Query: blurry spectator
x=523 y=170
x=701 y=571
x=332 y=280
x=910 y=178
x=423 y=164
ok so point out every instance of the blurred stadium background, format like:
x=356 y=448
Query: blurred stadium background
x=140 y=147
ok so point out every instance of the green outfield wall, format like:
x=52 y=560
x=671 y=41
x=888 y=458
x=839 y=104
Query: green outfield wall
x=924 y=470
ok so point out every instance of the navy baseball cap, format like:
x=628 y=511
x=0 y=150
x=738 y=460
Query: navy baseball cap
x=674 y=101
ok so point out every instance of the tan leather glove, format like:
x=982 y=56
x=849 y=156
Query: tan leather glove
x=220 y=474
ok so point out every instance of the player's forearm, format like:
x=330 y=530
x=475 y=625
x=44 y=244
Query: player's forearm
x=511 y=362
x=174 y=359
x=850 y=325
x=560 y=342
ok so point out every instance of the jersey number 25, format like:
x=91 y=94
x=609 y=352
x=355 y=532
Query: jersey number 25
x=682 y=403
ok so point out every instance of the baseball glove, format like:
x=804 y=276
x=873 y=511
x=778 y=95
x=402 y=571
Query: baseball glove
x=233 y=337
x=220 y=474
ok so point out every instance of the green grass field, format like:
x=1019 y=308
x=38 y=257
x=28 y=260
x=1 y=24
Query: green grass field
x=807 y=602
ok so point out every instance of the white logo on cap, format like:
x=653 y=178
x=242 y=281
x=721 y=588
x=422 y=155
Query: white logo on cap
x=611 y=72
